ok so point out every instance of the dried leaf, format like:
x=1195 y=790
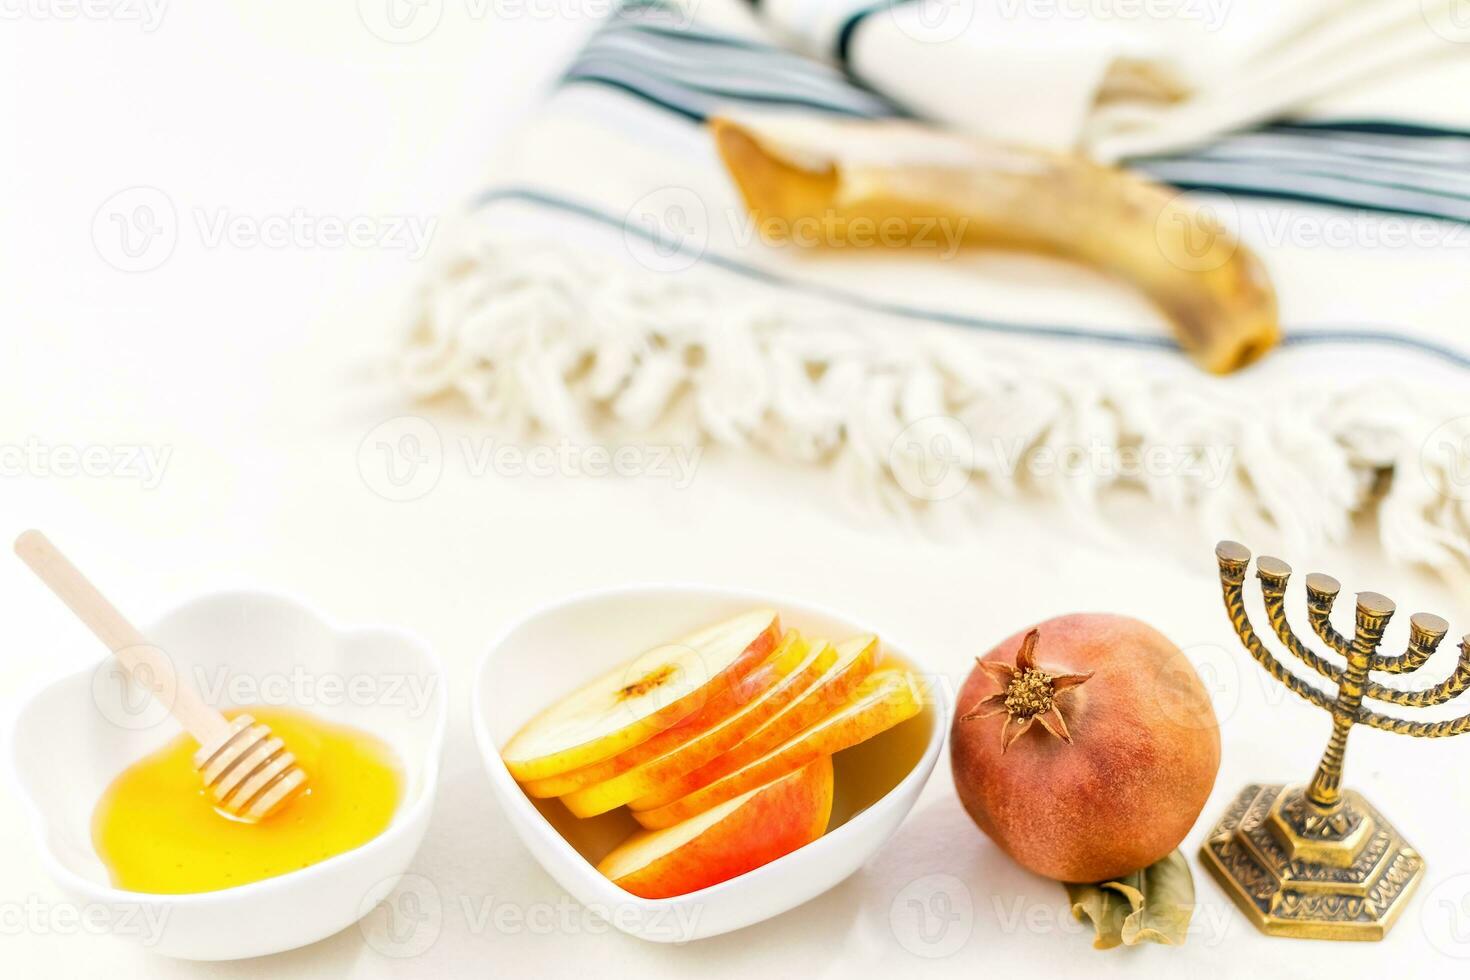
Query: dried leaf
x=1153 y=905
x=1106 y=908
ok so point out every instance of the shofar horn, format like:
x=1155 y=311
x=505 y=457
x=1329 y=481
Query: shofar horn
x=905 y=179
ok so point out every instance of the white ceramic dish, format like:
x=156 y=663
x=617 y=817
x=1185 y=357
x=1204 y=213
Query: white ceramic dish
x=285 y=653
x=559 y=646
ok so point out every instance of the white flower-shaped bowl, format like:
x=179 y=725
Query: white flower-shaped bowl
x=73 y=736
x=558 y=647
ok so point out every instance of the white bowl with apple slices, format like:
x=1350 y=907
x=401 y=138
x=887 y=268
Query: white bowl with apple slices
x=562 y=646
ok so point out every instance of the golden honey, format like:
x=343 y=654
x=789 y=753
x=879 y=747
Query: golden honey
x=157 y=830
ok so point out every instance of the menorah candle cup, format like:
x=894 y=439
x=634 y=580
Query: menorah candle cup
x=1316 y=861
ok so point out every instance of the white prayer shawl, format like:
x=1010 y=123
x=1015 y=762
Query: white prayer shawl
x=606 y=278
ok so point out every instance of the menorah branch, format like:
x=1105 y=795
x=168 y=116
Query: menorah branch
x=1418 y=729
x=1447 y=690
x=1274 y=575
x=1321 y=594
x=1425 y=633
x=1458 y=682
x=1233 y=559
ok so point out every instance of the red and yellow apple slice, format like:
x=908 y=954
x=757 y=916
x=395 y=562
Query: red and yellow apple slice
x=707 y=745
x=640 y=698
x=789 y=654
x=885 y=699
x=726 y=840
x=855 y=660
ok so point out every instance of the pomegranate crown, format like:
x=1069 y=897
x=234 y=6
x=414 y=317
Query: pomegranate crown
x=1027 y=694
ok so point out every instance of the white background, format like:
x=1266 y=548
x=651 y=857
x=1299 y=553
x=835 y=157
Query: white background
x=257 y=368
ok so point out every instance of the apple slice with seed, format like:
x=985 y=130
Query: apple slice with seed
x=885 y=699
x=640 y=698
x=788 y=656
x=645 y=778
x=727 y=840
x=856 y=658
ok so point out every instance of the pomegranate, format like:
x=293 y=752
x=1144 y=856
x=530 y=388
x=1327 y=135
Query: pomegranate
x=1085 y=747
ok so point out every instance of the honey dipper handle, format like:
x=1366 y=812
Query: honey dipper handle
x=146 y=663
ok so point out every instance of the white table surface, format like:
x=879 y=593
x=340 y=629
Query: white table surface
x=254 y=366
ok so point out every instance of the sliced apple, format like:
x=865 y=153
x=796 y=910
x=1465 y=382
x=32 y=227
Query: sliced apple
x=708 y=745
x=855 y=660
x=788 y=655
x=641 y=697
x=727 y=840
x=885 y=699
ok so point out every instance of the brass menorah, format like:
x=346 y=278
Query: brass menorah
x=1316 y=861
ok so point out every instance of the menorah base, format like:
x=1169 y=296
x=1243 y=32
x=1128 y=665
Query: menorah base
x=1296 y=869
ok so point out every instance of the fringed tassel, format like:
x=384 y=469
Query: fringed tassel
x=540 y=338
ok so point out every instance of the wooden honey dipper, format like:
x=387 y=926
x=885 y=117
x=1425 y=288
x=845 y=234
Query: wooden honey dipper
x=249 y=771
